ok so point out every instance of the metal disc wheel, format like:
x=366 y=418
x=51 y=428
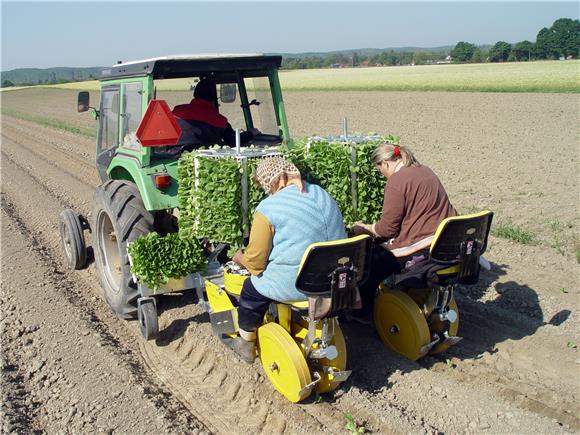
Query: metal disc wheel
x=73 y=240
x=283 y=362
x=338 y=363
x=148 y=319
x=401 y=324
x=440 y=327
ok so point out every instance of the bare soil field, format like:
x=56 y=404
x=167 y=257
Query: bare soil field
x=69 y=365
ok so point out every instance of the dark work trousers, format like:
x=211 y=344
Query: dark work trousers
x=383 y=264
x=253 y=305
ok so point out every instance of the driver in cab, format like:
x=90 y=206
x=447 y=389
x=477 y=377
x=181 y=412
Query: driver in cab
x=202 y=123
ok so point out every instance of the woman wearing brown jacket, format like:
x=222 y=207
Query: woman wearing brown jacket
x=414 y=204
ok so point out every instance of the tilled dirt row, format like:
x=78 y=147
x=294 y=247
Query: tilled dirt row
x=512 y=372
x=65 y=369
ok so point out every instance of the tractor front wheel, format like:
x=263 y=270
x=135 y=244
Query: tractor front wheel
x=119 y=217
x=148 y=320
x=72 y=239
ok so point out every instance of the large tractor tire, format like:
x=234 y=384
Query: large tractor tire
x=119 y=217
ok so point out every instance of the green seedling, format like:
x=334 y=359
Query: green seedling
x=450 y=363
x=563 y=290
x=571 y=345
x=352 y=426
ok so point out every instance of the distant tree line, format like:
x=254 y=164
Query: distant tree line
x=561 y=40
x=50 y=76
x=389 y=57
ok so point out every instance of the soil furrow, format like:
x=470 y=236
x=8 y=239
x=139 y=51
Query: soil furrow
x=17 y=411
x=41 y=183
x=65 y=284
x=61 y=166
x=43 y=143
x=78 y=147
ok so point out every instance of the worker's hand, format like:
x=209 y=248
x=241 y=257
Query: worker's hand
x=361 y=228
x=238 y=257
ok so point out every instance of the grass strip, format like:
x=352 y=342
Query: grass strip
x=50 y=122
x=514 y=233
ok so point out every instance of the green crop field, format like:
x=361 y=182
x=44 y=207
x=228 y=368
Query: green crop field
x=555 y=76
x=546 y=76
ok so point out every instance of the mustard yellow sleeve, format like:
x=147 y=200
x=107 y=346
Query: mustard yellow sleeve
x=258 y=250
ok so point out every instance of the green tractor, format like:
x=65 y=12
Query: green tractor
x=139 y=144
x=138 y=193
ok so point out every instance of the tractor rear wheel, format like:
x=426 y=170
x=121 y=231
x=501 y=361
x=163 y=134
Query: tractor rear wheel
x=119 y=217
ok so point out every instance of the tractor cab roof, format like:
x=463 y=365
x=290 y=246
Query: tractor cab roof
x=182 y=66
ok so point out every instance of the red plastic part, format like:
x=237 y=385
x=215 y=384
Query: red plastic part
x=162 y=181
x=158 y=126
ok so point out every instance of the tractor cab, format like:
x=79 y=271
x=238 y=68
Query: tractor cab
x=249 y=96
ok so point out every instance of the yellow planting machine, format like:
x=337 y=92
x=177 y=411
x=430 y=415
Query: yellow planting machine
x=300 y=344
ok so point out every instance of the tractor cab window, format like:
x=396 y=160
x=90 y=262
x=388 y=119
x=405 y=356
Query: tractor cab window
x=131 y=114
x=261 y=105
x=109 y=116
x=246 y=102
x=232 y=110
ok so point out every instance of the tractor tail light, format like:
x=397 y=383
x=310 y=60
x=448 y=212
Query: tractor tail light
x=162 y=181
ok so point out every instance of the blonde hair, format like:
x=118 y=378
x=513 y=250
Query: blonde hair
x=386 y=151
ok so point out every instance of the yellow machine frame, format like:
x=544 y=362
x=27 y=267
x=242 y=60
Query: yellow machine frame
x=417 y=321
x=300 y=355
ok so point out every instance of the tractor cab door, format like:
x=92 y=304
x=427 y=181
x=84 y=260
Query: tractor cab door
x=108 y=138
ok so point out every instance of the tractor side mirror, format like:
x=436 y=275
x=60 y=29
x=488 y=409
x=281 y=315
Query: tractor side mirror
x=83 y=101
x=228 y=92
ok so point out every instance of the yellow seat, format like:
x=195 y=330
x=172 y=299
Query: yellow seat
x=454 y=253
x=459 y=242
x=451 y=270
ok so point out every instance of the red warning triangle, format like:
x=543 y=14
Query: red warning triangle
x=158 y=126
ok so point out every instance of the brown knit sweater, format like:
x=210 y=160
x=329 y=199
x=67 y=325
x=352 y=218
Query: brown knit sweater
x=415 y=203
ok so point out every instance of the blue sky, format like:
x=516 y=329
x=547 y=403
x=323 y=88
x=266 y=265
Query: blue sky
x=49 y=34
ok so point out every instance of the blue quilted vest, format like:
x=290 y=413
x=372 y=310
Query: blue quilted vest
x=299 y=219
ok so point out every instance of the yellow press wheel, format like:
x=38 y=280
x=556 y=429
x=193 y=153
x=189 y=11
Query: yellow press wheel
x=440 y=327
x=283 y=362
x=326 y=383
x=401 y=324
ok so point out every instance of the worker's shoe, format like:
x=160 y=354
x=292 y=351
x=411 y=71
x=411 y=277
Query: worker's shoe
x=244 y=345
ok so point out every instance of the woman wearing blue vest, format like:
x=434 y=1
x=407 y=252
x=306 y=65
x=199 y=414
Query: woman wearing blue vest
x=293 y=216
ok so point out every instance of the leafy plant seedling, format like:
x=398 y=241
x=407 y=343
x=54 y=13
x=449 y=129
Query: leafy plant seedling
x=450 y=363
x=352 y=426
x=156 y=259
